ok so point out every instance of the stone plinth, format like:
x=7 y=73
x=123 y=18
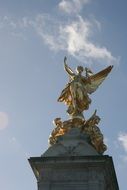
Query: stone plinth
x=73 y=164
x=73 y=143
x=74 y=173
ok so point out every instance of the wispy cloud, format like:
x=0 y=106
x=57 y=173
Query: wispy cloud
x=122 y=138
x=106 y=141
x=72 y=6
x=74 y=37
x=3 y=120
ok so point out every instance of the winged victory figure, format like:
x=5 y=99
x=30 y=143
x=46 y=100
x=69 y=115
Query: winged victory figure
x=76 y=93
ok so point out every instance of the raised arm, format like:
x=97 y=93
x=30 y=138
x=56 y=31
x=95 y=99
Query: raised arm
x=67 y=68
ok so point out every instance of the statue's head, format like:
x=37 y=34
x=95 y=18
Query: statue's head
x=97 y=119
x=88 y=71
x=57 y=121
x=79 y=69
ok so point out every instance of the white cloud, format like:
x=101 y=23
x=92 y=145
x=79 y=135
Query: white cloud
x=73 y=37
x=72 y=6
x=7 y=22
x=122 y=138
x=3 y=120
x=106 y=141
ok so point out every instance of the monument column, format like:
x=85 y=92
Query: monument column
x=74 y=159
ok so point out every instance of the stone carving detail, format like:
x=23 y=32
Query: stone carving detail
x=88 y=127
x=95 y=134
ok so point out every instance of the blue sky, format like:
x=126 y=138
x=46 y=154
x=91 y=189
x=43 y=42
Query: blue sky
x=34 y=38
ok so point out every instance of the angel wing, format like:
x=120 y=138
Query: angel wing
x=67 y=68
x=97 y=79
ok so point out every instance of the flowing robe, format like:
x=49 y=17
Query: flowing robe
x=75 y=95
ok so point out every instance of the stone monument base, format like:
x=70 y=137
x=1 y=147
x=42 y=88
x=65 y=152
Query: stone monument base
x=73 y=164
x=74 y=173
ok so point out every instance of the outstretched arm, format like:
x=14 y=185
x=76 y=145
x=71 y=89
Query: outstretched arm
x=67 y=68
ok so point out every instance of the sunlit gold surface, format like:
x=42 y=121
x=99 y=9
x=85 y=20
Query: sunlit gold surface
x=88 y=127
x=76 y=96
x=76 y=93
x=94 y=132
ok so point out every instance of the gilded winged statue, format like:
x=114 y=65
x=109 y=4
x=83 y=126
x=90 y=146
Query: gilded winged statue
x=76 y=93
